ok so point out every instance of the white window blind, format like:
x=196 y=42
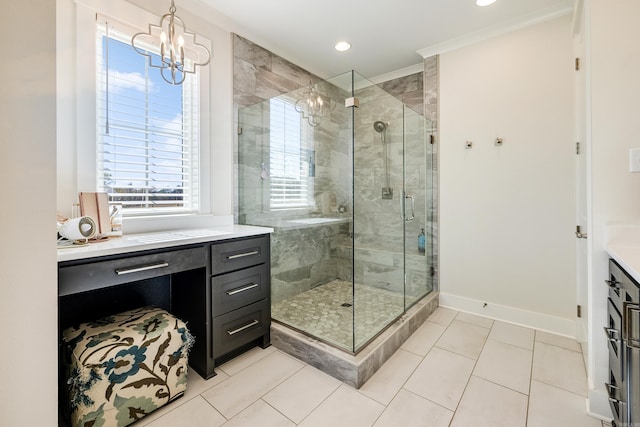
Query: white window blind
x=288 y=158
x=147 y=130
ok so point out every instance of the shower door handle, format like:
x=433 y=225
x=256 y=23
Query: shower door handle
x=404 y=208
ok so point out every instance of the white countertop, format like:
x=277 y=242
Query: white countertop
x=158 y=240
x=623 y=245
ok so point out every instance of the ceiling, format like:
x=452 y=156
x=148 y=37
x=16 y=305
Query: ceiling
x=386 y=35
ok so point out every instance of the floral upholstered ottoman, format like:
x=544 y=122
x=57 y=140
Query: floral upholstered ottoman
x=122 y=367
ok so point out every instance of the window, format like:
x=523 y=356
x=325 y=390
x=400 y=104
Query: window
x=288 y=157
x=147 y=130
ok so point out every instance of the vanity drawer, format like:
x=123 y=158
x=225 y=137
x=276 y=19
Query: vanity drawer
x=240 y=327
x=238 y=254
x=101 y=274
x=239 y=288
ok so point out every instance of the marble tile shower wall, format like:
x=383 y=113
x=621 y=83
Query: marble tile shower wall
x=379 y=231
x=431 y=70
x=302 y=257
x=326 y=250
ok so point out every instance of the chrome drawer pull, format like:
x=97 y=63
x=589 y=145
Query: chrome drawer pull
x=627 y=315
x=610 y=332
x=613 y=284
x=242 y=328
x=617 y=401
x=243 y=255
x=141 y=268
x=611 y=388
x=246 y=288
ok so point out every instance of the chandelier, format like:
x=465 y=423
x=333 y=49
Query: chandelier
x=313 y=106
x=172 y=40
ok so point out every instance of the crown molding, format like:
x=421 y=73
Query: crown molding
x=403 y=72
x=496 y=30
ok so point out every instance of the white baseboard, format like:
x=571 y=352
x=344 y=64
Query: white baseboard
x=517 y=316
x=598 y=405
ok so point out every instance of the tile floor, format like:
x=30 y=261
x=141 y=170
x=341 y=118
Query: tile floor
x=456 y=370
x=321 y=312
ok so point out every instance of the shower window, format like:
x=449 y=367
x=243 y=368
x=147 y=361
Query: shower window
x=288 y=158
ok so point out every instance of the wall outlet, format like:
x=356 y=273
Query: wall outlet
x=634 y=160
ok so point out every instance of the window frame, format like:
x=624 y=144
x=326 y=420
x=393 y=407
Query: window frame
x=189 y=125
x=137 y=20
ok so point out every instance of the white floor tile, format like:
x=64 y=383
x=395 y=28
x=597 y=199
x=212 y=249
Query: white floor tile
x=386 y=382
x=559 y=340
x=302 y=392
x=195 y=412
x=410 y=410
x=512 y=334
x=196 y=385
x=456 y=370
x=421 y=341
x=505 y=364
x=346 y=407
x=259 y=414
x=463 y=338
x=553 y=407
x=485 y=404
x=442 y=316
x=559 y=367
x=242 y=389
x=485 y=322
x=441 y=377
x=239 y=363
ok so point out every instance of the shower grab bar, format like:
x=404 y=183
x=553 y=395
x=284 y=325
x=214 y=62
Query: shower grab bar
x=403 y=208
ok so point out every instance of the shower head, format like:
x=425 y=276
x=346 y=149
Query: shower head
x=379 y=126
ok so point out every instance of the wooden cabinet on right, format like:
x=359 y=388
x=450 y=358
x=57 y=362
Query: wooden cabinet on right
x=623 y=338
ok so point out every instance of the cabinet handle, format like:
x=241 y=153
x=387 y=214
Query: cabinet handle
x=613 y=284
x=617 y=401
x=610 y=333
x=611 y=388
x=243 y=255
x=246 y=288
x=122 y=271
x=627 y=313
x=242 y=328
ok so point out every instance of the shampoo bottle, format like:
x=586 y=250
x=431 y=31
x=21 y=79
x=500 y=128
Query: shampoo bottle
x=421 y=241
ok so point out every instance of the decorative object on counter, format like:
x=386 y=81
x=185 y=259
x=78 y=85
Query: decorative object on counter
x=107 y=217
x=115 y=218
x=122 y=367
x=96 y=205
x=421 y=241
x=77 y=231
x=169 y=38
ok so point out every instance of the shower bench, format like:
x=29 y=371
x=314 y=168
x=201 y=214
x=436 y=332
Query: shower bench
x=219 y=285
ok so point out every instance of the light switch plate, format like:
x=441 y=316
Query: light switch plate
x=634 y=160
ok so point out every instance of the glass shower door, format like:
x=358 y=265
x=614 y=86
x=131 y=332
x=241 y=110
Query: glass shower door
x=418 y=217
x=378 y=226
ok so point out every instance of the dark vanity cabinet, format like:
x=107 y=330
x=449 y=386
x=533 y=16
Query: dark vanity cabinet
x=233 y=311
x=623 y=338
x=221 y=289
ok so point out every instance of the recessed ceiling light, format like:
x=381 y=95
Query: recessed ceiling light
x=342 y=46
x=485 y=2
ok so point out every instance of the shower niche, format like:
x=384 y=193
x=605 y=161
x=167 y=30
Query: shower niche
x=348 y=192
